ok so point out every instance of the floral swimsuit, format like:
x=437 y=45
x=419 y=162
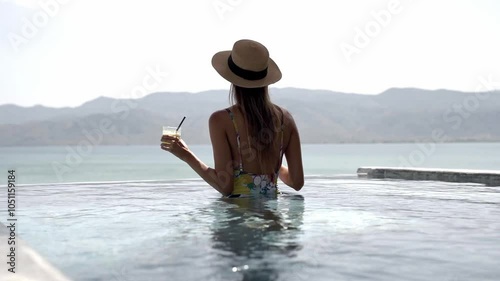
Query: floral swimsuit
x=249 y=184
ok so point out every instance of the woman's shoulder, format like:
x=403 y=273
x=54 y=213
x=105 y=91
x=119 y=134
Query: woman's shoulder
x=285 y=114
x=220 y=115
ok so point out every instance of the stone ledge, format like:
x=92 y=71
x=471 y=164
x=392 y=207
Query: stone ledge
x=487 y=177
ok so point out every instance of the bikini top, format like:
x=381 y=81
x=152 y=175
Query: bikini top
x=248 y=184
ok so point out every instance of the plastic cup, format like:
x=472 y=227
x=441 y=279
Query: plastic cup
x=171 y=131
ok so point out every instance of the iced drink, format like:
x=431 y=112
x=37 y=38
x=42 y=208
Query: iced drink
x=171 y=131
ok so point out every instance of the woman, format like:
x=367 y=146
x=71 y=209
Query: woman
x=249 y=138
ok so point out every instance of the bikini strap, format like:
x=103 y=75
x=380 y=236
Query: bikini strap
x=231 y=115
x=282 y=127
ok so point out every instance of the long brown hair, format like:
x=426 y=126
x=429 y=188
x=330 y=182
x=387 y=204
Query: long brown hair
x=262 y=118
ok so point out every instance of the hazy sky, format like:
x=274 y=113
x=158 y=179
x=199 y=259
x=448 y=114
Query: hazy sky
x=67 y=52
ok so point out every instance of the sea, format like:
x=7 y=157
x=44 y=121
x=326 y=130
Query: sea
x=139 y=213
x=62 y=164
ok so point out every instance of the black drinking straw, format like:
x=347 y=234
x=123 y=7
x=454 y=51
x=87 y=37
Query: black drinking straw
x=178 y=127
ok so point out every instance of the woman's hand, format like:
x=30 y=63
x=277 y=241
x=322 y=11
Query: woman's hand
x=176 y=146
x=283 y=174
x=283 y=169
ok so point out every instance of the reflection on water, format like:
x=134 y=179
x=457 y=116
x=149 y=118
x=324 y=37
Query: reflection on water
x=256 y=233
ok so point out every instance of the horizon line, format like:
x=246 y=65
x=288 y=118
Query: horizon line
x=280 y=88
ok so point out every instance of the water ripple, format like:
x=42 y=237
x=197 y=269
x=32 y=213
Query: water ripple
x=337 y=228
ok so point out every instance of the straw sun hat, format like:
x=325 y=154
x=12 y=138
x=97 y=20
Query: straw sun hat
x=247 y=65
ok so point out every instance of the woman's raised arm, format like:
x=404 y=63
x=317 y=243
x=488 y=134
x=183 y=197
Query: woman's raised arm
x=293 y=175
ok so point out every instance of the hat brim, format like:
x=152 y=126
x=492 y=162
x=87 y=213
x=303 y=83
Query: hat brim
x=219 y=62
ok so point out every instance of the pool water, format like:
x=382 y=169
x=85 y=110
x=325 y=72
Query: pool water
x=336 y=228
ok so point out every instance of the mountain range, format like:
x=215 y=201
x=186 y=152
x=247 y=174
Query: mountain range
x=396 y=115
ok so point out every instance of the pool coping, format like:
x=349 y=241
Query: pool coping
x=487 y=177
x=29 y=265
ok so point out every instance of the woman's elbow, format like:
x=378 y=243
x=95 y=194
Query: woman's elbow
x=297 y=185
x=226 y=190
x=225 y=194
x=224 y=185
